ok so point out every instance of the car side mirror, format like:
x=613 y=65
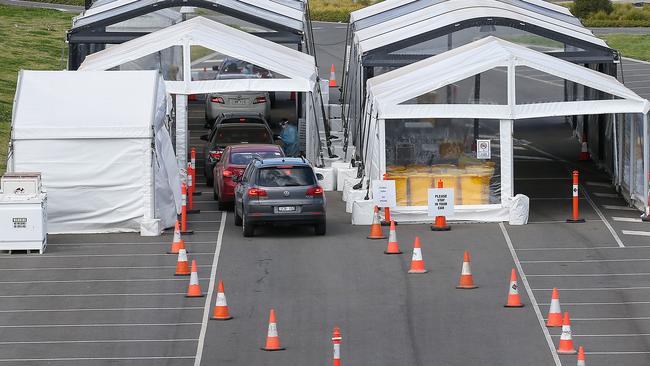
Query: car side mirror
x=204 y=137
x=319 y=176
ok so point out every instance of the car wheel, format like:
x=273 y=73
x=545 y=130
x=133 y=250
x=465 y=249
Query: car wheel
x=238 y=220
x=320 y=228
x=247 y=228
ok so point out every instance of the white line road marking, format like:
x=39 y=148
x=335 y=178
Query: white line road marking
x=637 y=233
x=602 y=217
x=595 y=288
x=103 y=341
x=609 y=335
x=591 y=275
x=208 y=297
x=98 y=309
x=44 y=256
x=608 y=319
x=552 y=199
x=99 y=325
x=575 y=248
x=91 y=268
x=622 y=208
x=599 y=184
x=204 y=211
x=559 y=222
x=626 y=219
x=590 y=260
x=606 y=195
x=617 y=353
x=544 y=178
x=97 y=280
x=531 y=296
x=135 y=244
x=602 y=303
x=530 y=158
x=68 y=359
x=92 y=295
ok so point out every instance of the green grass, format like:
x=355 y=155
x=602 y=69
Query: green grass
x=335 y=10
x=32 y=39
x=623 y=15
x=66 y=2
x=630 y=45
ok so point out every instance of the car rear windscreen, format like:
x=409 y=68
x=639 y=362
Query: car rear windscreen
x=243 y=158
x=242 y=135
x=289 y=176
x=242 y=120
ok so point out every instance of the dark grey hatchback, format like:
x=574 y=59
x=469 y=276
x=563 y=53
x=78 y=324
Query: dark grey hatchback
x=278 y=191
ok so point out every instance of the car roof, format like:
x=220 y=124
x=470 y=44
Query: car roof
x=242 y=125
x=283 y=161
x=254 y=147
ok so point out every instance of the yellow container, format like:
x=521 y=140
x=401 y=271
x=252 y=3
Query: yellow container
x=475 y=185
x=449 y=178
x=419 y=185
x=395 y=168
x=401 y=183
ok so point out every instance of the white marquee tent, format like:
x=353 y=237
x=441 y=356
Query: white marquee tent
x=100 y=142
x=298 y=69
x=390 y=96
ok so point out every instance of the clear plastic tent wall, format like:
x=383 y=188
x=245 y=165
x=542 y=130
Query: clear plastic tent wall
x=417 y=123
x=170 y=52
x=100 y=142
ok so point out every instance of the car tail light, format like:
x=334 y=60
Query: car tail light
x=256 y=192
x=259 y=100
x=242 y=120
x=217 y=100
x=227 y=173
x=216 y=154
x=315 y=191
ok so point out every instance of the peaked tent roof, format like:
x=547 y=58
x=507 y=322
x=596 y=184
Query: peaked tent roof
x=274 y=14
x=299 y=68
x=388 y=90
x=446 y=13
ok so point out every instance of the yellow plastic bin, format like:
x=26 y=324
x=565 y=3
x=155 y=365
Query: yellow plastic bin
x=449 y=177
x=401 y=183
x=475 y=185
x=419 y=184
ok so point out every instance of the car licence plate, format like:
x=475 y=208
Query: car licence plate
x=286 y=208
x=238 y=101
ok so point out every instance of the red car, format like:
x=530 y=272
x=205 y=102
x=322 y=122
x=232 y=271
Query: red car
x=234 y=160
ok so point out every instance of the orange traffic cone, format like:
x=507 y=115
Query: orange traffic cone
x=514 y=300
x=581 y=356
x=221 y=307
x=272 y=339
x=194 y=289
x=566 y=341
x=554 y=318
x=466 y=279
x=393 y=247
x=375 y=228
x=332 y=77
x=584 y=150
x=178 y=243
x=182 y=269
x=417 y=263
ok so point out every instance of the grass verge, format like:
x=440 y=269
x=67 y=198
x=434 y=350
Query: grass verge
x=335 y=10
x=65 y=2
x=31 y=39
x=630 y=45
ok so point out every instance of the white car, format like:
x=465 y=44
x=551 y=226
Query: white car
x=252 y=102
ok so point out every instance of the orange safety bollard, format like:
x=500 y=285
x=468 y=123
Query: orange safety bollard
x=193 y=163
x=387 y=219
x=190 y=190
x=336 y=342
x=576 y=216
x=441 y=221
x=184 y=230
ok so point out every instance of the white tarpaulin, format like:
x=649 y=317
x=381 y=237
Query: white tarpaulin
x=100 y=142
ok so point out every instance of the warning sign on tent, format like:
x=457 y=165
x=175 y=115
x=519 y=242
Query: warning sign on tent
x=441 y=202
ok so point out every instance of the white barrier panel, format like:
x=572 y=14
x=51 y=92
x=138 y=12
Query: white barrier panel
x=343 y=174
x=362 y=212
x=519 y=210
x=353 y=196
x=329 y=178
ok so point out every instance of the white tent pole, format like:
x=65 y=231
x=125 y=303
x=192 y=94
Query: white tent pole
x=646 y=163
x=632 y=162
x=181 y=133
x=617 y=170
x=382 y=147
x=507 y=176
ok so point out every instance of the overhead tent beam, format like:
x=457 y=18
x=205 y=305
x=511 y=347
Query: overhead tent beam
x=121 y=37
x=592 y=51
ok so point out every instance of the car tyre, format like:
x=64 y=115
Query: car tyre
x=247 y=229
x=320 y=228
x=238 y=220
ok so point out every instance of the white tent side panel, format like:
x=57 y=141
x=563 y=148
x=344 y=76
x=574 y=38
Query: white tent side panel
x=98 y=166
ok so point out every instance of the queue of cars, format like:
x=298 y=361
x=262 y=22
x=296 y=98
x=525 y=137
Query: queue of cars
x=249 y=172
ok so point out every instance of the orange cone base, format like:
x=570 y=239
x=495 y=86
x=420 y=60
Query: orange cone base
x=272 y=349
x=440 y=228
x=575 y=221
x=221 y=318
x=182 y=274
x=567 y=352
x=201 y=295
x=554 y=321
x=513 y=306
x=397 y=252
x=417 y=271
x=466 y=287
x=194 y=211
x=374 y=237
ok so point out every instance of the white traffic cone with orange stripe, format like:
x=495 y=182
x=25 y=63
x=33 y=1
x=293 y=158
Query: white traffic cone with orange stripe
x=393 y=247
x=514 y=300
x=584 y=150
x=554 y=318
x=182 y=268
x=417 y=263
x=332 y=77
x=194 y=289
x=375 y=228
x=178 y=242
x=272 y=338
x=581 y=356
x=221 y=307
x=466 y=278
x=566 y=340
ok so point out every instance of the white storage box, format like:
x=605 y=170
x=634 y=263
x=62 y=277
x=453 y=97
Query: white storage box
x=23 y=213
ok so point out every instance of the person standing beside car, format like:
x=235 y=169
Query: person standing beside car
x=289 y=137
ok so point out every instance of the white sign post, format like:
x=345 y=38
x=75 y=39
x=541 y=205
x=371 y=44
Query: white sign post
x=441 y=202
x=383 y=193
x=483 y=150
